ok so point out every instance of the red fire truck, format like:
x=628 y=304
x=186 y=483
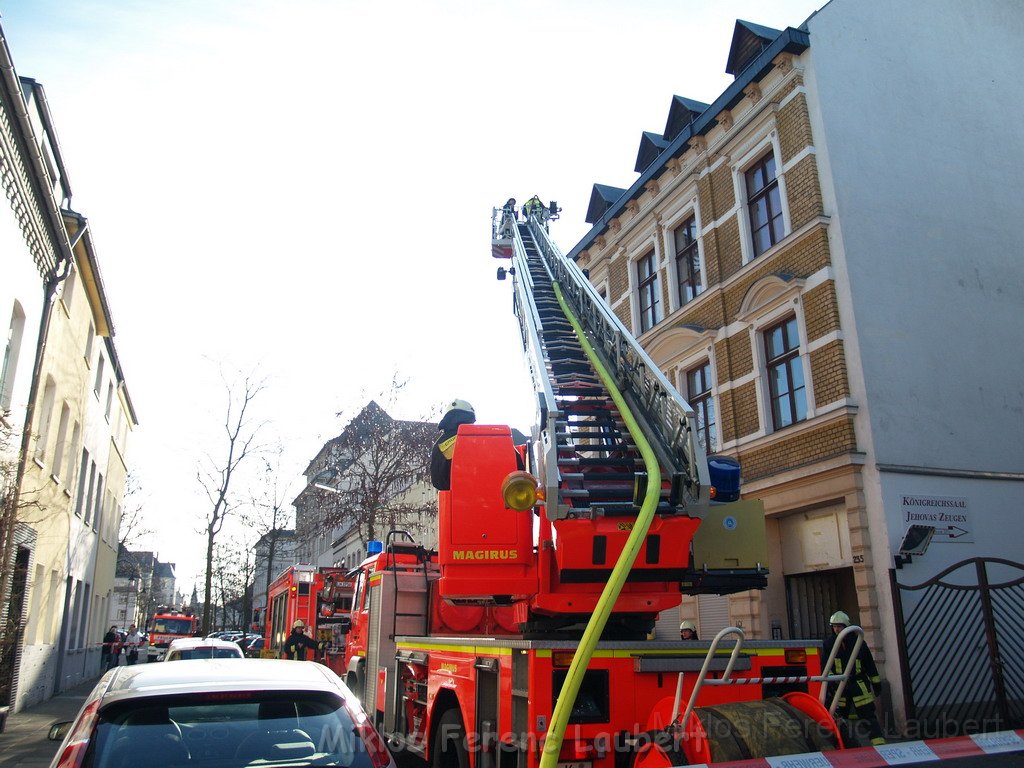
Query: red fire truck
x=523 y=641
x=320 y=597
x=167 y=625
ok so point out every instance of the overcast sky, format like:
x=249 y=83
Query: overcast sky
x=303 y=190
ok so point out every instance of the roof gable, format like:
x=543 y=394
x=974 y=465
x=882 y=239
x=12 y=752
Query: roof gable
x=748 y=40
x=681 y=113
x=601 y=199
x=651 y=145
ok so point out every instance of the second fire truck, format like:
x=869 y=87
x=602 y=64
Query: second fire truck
x=320 y=597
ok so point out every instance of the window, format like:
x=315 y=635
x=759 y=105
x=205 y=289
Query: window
x=11 y=353
x=62 y=435
x=83 y=478
x=764 y=205
x=110 y=399
x=87 y=509
x=687 y=261
x=89 y=338
x=76 y=436
x=698 y=389
x=99 y=376
x=786 y=392
x=647 y=275
x=67 y=294
x=98 y=508
x=45 y=417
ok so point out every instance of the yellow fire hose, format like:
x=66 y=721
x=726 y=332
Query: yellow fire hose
x=585 y=650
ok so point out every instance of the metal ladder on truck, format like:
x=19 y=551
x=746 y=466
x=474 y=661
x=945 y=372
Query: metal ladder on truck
x=587 y=460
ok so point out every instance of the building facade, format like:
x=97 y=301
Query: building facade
x=61 y=551
x=368 y=480
x=794 y=257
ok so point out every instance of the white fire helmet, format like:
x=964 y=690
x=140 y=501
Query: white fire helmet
x=459 y=405
x=299 y=624
x=839 y=617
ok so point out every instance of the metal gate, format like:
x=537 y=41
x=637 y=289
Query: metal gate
x=962 y=647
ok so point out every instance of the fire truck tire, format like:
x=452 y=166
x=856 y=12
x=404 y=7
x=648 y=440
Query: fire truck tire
x=449 y=747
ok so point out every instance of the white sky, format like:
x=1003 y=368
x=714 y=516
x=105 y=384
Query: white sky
x=304 y=189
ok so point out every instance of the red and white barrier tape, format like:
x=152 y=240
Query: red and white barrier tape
x=898 y=753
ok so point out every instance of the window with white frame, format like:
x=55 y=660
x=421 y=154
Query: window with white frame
x=67 y=294
x=688 y=274
x=764 y=204
x=83 y=478
x=90 y=337
x=45 y=418
x=698 y=394
x=62 y=435
x=648 y=292
x=787 y=395
x=98 y=384
x=11 y=352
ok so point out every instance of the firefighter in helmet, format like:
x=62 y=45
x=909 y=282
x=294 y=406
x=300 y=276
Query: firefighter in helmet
x=457 y=412
x=298 y=641
x=688 y=631
x=857 y=704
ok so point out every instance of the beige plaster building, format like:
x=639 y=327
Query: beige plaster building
x=62 y=536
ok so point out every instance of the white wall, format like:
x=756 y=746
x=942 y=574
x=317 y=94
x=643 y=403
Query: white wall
x=920 y=103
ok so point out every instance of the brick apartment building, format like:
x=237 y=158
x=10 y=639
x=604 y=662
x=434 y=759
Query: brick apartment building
x=793 y=257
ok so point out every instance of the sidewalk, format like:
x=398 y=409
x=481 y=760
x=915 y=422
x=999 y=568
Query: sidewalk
x=23 y=744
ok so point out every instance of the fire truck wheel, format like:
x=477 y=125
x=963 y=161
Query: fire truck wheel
x=450 y=742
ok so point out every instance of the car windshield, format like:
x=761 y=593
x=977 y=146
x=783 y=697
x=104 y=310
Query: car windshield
x=205 y=653
x=228 y=730
x=172 y=626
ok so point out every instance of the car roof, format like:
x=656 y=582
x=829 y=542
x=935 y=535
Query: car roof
x=183 y=643
x=208 y=675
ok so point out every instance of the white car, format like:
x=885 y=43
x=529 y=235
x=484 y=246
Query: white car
x=221 y=714
x=202 y=648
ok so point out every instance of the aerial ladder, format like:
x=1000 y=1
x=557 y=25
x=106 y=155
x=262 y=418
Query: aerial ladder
x=525 y=640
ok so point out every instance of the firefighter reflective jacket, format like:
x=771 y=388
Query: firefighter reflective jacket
x=864 y=681
x=444 y=447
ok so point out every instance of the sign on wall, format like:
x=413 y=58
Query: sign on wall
x=949 y=515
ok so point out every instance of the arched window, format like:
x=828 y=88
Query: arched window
x=12 y=350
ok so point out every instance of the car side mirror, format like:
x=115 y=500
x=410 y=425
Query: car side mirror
x=58 y=731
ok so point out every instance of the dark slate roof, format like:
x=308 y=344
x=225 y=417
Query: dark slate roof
x=748 y=40
x=651 y=145
x=681 y=113
x=601 y=199
x=163 y=570
x=601 y=211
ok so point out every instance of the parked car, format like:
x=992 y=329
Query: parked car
x=245 y=641
x=212 y=712
x=185 y=648
x=253 y=650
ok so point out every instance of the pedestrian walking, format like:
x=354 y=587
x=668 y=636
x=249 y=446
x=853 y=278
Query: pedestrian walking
x=132 y=642
x=111 y=648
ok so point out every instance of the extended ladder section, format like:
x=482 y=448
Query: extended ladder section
x=585 y=456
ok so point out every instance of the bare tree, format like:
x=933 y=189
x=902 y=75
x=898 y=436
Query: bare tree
x=380 y=458
x=215 y=476
x=133 y=523
x=273 y=515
